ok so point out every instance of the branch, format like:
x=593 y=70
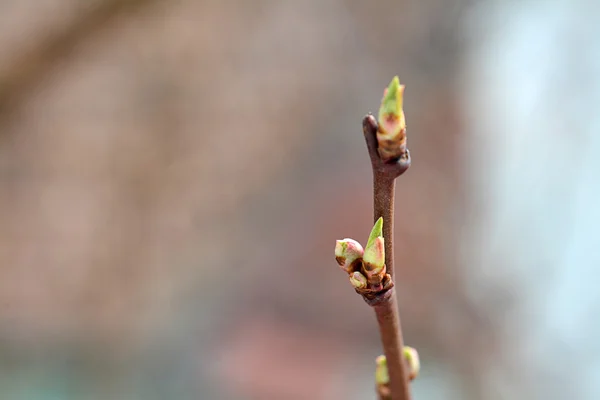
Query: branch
x=371 y=270
x=384 y=182
x=386 y=307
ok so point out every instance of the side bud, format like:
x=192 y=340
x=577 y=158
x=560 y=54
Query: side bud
x=374 y=254
x=412 y=358
x=382 y=376
x=347 y=253
x=358 y=280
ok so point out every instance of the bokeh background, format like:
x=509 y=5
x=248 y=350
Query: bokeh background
x=174 y=173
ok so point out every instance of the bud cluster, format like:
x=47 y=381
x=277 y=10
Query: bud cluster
x=365 y=267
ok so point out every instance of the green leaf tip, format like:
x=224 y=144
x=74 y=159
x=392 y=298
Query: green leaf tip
x=391 y=103
x=376 y=232
x=382 y=376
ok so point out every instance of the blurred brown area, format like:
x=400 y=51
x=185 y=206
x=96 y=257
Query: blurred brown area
x=173 y=175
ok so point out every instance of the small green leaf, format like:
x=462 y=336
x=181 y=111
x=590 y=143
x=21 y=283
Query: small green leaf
x=375 y=232
x=391 y=104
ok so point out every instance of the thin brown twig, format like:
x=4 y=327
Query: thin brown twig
x=386 y=306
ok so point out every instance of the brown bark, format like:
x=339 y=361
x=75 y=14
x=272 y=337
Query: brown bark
x=388 y=319
x=386 y=306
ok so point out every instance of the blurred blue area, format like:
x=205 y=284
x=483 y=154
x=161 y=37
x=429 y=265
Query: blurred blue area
x=532 y=90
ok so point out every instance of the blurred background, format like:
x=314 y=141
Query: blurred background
x=174 y=174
